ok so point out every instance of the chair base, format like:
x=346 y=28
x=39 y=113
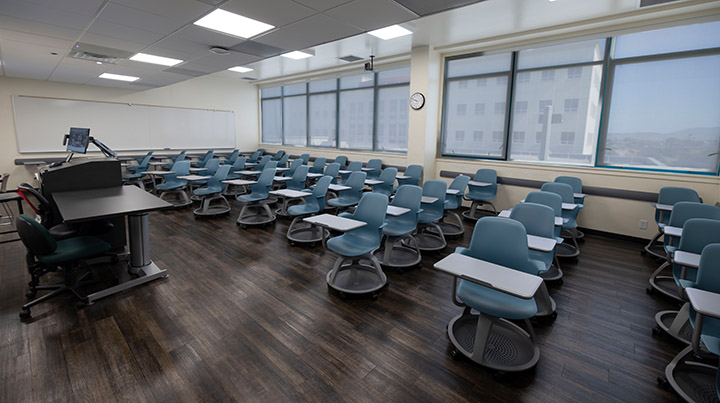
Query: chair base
x=262 y=216
x=651 y=248
x=427 y=241
x=136 y=182
x=233 y=190
x=472 y=213
x=301 y=232
x=675 y=324
x=693 y=380
x=181 y=198
x=493 y=342
x=393 y=254
x=452 y=229
x=71 y=284
x=664 y=285
x=357 y=278
x=207 y=209
x=554 y=273
x=565 y=250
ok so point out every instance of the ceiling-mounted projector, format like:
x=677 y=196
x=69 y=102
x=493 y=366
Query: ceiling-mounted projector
x=219 y=51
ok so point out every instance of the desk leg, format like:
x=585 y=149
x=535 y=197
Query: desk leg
x=141 y=268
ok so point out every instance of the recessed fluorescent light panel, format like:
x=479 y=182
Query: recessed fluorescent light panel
x=146 y=58
x=391 y=32
x=296 y=55
x=118 y=77
x=233 y=24
x=240 y=69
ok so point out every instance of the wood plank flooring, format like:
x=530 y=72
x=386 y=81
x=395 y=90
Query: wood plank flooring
x=246 y=317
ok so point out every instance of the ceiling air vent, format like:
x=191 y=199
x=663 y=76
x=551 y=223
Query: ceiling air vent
x=85 y=51
x=648 y=3
x=248 y=78
x=350 y=58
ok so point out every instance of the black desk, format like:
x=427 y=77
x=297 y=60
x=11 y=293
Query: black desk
x=131 y=201
x=8 y=197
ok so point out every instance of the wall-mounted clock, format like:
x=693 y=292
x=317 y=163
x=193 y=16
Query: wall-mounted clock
x=417 y=100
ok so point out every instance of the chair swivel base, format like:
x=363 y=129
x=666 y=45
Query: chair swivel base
x=356 y=277
x=59 y=289
x=675 y=324
x=693 y=380
x=472 y=213
x=554 y=273
x=181 y=198
x=566 y=250
x=207 y=209
x=427 y=241
x=452 y=228
x=393 y=254
x=263 y=215
x=509 y=348
x=654 y=247
x=304 y=233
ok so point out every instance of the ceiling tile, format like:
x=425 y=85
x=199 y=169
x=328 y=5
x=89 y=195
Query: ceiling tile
x=200 y=67
x=78 y=71
x=207 y=37
x=322 y=5
x=110 y=42
x=227 y=61
x=427 y=7
x=285 y=39
x=273 y=12
x=321 y=29
x=34 y=12
x=178 y=49
x=139 y=19
x=29 y=60
x=371 y=14
x=80 y=7
x=25 y=37
x=38 y=28
x=123 y=32
x=186 y=72
x=183 y=10
x=258 y=49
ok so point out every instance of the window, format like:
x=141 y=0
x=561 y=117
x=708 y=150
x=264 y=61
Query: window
x=548 y=75
x=523 y=77
x=567 y=137
x=497 y=137
x=340 y=112
x=477 y=135
x=518 y=137
x=571 y=105
x=521 y=107
x=460 y=135
x=539 y=137
x=456 y=117
x=502 y=81
x=575 y=72
x=462 y=84
x=545 y=106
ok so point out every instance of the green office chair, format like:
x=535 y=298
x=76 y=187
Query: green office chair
x=66 y=255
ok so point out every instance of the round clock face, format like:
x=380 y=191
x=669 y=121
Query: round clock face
x=417 y=100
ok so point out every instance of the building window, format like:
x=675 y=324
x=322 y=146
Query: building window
x=567 y=138
x=571 y=105
x=518 y=137
x=523 y=77
x=477 y=135
x=499 y=108
x=575 y=72
x=461 y=109
x=548 y=75
x=544 y=105
x=462 y=84
x=479 y=109
x=460 y=135
x=521 y=107
x=497 y=137
x=539 y=137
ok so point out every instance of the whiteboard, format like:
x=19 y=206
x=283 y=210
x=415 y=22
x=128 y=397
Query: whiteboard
x=41 y=123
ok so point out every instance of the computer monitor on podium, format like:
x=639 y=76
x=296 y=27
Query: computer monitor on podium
x=78 y=140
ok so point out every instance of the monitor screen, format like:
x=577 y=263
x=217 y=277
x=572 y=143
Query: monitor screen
x=78 y=140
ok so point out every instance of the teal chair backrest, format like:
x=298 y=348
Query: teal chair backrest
x=438 y=189
x=376 y=164
x=305 y=158
x=263 y=161
x=255 y=156
x=316 y=202
x=538 y=220
x=698 y=233
x=298 y=178
x=459 y=183
x=233 y=157
x=181 y=168
x=486 y=192
x=671 y=195
x=207 y=157
x=576 y=183
x=387 y=176
x=550 y=199
x=140 y=160
x=180 y=157
x=342 y=160
x=212 y=167
x=282 y=162
x=295 y=164
x=683 y=211
x=563 y=189
x=503 y=242
x=261 y=151
x=270 y=164
x=319 y=165
x=708 y=277
x=407 y=196
x=333 y=170
x=239 y=164
x=415 y=171
x=354 y=166
x=215 y=183
x=34 y=236
x=278 y=155
x=356 y=182
x=264 y=183
x=145 y=161
x=371 y=209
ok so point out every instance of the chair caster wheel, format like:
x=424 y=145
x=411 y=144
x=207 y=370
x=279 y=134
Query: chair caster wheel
x=31 y=294
x=656 y=331
x=343 y=296
x=374 y=296
x=244 y=226
x=643 y=252
x=650 y=291
x=456 y=355
x=25 y=313
x=663 y=382
x=292 y=243
x=81 y=304
x=553 y=315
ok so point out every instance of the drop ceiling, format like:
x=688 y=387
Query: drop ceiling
x=36 y=36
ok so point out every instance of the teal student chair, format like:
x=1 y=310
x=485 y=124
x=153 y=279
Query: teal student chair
x=257 y=200
x=374 y=167
x=300 y=232
x=481 y=195
x=453 y=201
x=180 y=157
x=356 y=246
x=342 y=160
x=667 y=196
x=388 y=182
x=212 y=192
x=539 y=221
x=350 y=197
x=176 y=186
x=415 y=174
x=393 y=253
x=565 y=191
x=429 y=235
x=354 y=166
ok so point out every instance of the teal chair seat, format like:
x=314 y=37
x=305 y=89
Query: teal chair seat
x=75 y=248
x=398 y=228
x=495 y=303
x=249 y=198
x=133 y=176
x=302 y=209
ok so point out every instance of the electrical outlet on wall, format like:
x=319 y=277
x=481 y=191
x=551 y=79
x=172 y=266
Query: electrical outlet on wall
x=643 y=224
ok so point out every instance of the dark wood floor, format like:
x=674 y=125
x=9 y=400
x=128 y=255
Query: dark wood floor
x=246 y=317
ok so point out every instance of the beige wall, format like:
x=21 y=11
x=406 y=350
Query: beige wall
x=205 y=92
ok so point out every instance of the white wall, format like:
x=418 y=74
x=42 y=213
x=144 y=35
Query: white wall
x=205 y=92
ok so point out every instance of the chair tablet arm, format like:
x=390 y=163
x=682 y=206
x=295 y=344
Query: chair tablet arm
x=477 y=281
